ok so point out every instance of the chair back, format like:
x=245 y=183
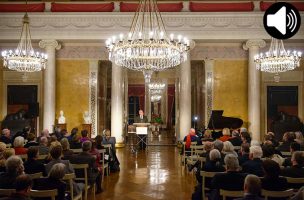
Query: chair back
x=228 y=193
x=23 y=156
x=76 y=151
x=44 y=193
x=84 y=169
x=42 y=157
x=36 y=175
x=204 y=175
x=7 y=192
x=277 y=194
x=69 y=179
x=286 y=153
x=295 y=180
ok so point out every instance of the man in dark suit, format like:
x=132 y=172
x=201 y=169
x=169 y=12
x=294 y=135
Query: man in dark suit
x=56 y=154
x=141 y=118
x=231 y=180
x=86 y=158
x=254 y=165
x=32 y=165
x=235 y=139
x=252 y=188
x=6 y=136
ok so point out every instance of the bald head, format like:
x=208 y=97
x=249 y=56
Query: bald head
x=192 y=131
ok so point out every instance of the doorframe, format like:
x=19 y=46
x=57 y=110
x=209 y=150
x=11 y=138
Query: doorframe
x=264 y=100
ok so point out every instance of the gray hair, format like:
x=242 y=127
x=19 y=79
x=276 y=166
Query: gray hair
x=256 y=151
x=57 y=171
x=255 y=143
x=228 y=147
x=19 y=141
x=86 y=146
x=43 y=140
x=218 y=144
x=13 y=164
x=4 y=131
x=252 y=184
x=231 y=162
x=214 y=154
x=65 y=144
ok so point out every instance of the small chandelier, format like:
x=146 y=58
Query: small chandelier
x=155 y=98
x=147 y=75
x=156 y=91
x=147 y=45
x=277 y=59
x=157 y=86
x=24 y=58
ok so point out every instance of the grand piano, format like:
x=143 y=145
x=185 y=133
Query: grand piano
x=217 y=121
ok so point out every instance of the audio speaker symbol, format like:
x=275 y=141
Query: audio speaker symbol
x=282 y=20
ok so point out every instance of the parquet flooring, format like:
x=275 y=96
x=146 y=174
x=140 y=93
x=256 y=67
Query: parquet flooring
x=155 y=174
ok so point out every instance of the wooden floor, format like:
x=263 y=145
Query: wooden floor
x=155 y=174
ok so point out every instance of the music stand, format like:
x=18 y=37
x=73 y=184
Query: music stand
x=142 y=133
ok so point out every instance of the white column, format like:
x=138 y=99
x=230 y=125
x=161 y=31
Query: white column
x=254 y=94
x=117 y=104
x=147 y=102
x=177 y=90
x=185 y=98
x=49 y=95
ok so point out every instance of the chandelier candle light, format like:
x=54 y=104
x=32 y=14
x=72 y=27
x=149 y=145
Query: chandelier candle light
x=24 y=58
x=147 y=46
x=277 y=59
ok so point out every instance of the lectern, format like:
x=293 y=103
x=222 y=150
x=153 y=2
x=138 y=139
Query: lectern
x=142 y=133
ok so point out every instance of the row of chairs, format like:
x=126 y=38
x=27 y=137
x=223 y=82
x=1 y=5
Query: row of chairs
x=265 y=193
x=33 y=193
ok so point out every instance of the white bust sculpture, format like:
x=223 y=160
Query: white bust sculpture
x=61 y=119
x=86 y=117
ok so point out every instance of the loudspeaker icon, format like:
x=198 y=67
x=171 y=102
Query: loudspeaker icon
x=282 y=20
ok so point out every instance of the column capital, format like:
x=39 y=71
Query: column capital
x=50 y=43
x=254 y=43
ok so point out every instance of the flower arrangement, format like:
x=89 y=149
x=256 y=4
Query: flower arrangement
x=156 y=119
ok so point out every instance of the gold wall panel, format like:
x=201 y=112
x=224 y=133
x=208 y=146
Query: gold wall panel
x=72 y=90
x=230 y=90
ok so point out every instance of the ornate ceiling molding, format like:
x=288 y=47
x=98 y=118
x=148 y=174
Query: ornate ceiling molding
x=99 y=26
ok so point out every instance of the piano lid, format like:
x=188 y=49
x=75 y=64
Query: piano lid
x=218 y=121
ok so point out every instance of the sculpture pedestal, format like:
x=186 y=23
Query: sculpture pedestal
x=87 y=127
x=62 y=126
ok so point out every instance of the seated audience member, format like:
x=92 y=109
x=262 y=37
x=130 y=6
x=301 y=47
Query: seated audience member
x=296 y=170
x=43 y=146
x=23 y=187
x=31 y=141
x=57 y=133
x=252 y=188
x=44 y=133
x=254 y=165
x=75 y=144
x=94 y=152
x=5 y=155
x=299 y=138
x=288 y=138
x=191 y=137
x=232 y=179
x=269 y=153
x=32 y=165
x=226 y=135
x=207 y=136
x=85 y=158
x=56 y=153
x=255 y=143
x=270 y=137
x=74 y=132
x=84 y=136
x=64 y=133
x=2 y=149
x=272 y=180
x=6 y=136
x=53 y=181
x=98 y=140
x=19 y=146
x=228 y=149
x=66 y=151
x=107 y=139
x=14 y=168
x=208 y=146
x=219 y=145
x=244 y=154
x=294 y=146
x=246 y=138
x=235 y=139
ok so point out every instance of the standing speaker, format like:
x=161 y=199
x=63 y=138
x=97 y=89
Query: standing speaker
x=33 y=110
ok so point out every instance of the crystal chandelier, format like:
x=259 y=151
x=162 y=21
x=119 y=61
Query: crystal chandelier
x=24 y=58
x=156 y=91
x=147 y=46
x=157 y=86
x=277 y=59
x=147 y=75
x=155 y=98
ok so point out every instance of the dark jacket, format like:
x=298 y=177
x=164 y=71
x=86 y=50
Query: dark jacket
x=51 y=184
x=5 y=139
x=285 y=146
x=68 y=166
x=253 y=167
x=224 y=181
x=274 y=184
x=16 y=196
x=295 y=171
x=243 y=158
x=236 y=141
x=211 y=166
x=33 y=166
x=67 y=154
x=138 y=120
x=32 y=143
x=7 y=181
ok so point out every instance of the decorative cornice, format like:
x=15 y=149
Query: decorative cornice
x=49 y=44
x=99 y=26
x=257 y=43
x=218 y=52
